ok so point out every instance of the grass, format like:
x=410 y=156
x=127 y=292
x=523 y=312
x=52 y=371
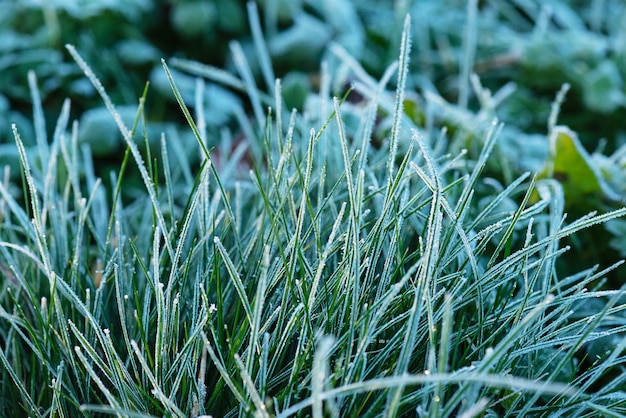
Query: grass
x=307 y=271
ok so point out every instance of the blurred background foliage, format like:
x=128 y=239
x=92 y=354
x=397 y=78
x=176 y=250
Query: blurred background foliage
x=472 y=61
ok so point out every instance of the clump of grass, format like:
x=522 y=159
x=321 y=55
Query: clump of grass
x=335 y=278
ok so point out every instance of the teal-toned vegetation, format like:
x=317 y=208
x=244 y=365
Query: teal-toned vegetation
x=434 y=229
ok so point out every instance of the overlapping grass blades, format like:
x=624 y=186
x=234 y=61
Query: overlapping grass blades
x=369 y=284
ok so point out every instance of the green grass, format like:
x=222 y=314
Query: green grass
x=309 y=270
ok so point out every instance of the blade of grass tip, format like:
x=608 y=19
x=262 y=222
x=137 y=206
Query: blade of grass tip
x=208 y=218
x=556 y=106
x=319 y=374
x=277 y=180
x=260 y=411
x=403 y=70
x=469 y=51
x=56 y=408
x=130 y=394
x=94 y=375
x=39 y=120
x=85 y=345
x=126 y=134
x=243 y=68
x=259 y=42
x=590 y=221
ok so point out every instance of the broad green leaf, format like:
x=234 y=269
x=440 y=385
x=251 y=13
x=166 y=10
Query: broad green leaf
x=571 y=165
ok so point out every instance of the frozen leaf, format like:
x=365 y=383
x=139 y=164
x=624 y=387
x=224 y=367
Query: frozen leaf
x=571 y=165
x=343 y=17
x=561 y=56
x=603 y=88
x=190 y=19
x=617 y=228
x=303 y=41
x=612 y=173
